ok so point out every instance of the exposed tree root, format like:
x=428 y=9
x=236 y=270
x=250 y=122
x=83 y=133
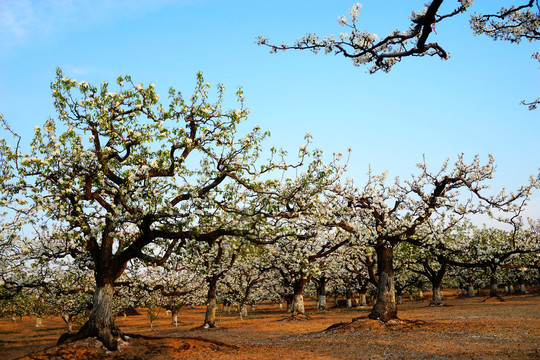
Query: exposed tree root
x=299 y=317
x=108 y=336
x=437 y=304
x=365 y=323
x=207 y=327
x=498 y=297
x=210 y=341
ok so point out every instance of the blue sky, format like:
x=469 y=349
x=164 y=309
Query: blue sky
x=468 y=104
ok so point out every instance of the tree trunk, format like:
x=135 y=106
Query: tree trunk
x=493 y=287
x=289 y=300
x=174 y=317
x=322 y=302
x=362 y=301
x=321 y=290
x=522 y=289
x=210 y=317
x=243 y=311
x=39 y=322
x=298 y=298
x=101 y=321
x=511 y=288
x=68 y=319
x=298 y=305
x=438 y=297
x=470 y=290
x=348 y=297
x=385 y=308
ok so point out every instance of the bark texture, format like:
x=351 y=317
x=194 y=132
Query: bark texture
x=298 y=305
x=101 y=322
x=385 y=308
x=362 y=301
x=438 y=297
x=493 y=287
x=211 y=305
x=470 y=290
x=322 y=302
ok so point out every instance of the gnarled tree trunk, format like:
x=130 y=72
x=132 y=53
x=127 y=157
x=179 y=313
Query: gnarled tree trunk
x=438 y=297
x=298 y=305
x=174 y=316
x=68 y=319
x=522 y=289
x=470 y=290
x=348 y=297
x=298 y=298
x=321 y=290
x=493 y=286
x=101 y=321
x=385 y=308
x=211 y=306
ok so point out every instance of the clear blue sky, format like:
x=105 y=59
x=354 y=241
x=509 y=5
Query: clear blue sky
x=469 y=103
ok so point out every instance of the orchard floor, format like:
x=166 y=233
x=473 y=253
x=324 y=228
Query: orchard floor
x=462 y=329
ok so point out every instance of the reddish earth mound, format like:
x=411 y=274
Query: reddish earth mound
x=138 y=348
x=364 y=323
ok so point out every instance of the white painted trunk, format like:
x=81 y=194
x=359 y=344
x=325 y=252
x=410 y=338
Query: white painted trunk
x=298 y=305
x=322 y=302
x=349 y=303
x=362 y=300
x=243 y=311
x=39 y=322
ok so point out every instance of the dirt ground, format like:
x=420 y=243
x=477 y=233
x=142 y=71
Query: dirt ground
x=465 y=328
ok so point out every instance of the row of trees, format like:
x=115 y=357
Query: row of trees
x=246 y=274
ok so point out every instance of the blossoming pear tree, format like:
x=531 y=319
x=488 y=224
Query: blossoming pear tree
x=249 y=281
x=387 y=215
x=298 y=259
x=123 y=176
x=490 y=249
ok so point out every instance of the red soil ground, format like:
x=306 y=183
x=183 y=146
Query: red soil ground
x=462 y=329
